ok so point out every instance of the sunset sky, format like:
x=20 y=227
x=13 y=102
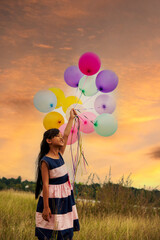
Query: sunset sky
x=40 y=39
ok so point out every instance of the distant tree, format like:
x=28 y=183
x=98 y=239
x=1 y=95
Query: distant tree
x=18 y=179
x=3 y=186
x=5 y=180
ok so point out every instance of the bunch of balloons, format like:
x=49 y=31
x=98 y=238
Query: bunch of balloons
x=89 y=80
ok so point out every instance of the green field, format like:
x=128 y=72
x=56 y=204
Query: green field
x=17 y=220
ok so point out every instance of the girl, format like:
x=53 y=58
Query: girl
x=56 y=213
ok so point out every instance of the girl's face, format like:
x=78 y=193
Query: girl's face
x=57 y=140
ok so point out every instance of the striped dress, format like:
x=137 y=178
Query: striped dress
x=64 y=220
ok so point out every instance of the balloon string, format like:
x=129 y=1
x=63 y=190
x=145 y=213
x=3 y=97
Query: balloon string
x=89 y=99
x=86 y=108
x=78 y=145
x=81 y=118
x=75 y=161
x=82 y=153
x=76 y=157
x=78 y=99
x=72 y=152
x=78 y=134
x=79 y=153
x=76 y=93
x=85 y=117
x=83 y=108
x=81 y=91
x=84 y=82
x=80 y=149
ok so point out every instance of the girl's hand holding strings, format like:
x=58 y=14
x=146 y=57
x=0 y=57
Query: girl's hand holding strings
x=46 y=214
x=73 y=113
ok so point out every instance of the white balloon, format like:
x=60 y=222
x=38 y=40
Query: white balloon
x=88 y=86
x=45 y=101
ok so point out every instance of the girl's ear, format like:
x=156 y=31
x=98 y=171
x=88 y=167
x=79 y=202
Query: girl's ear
x=48 y=140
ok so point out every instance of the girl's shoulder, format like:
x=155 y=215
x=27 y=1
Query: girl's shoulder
x=53 y=163
x=46 y=160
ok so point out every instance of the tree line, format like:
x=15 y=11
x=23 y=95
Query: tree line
x=107 y=191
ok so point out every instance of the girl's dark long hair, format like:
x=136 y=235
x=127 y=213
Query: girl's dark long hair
x=44 y=149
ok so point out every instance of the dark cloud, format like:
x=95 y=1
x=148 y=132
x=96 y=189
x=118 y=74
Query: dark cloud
x=155 y=153
x=19 y=103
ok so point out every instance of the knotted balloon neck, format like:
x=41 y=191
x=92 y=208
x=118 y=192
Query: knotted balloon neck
x=95 y=123
x=89 y=71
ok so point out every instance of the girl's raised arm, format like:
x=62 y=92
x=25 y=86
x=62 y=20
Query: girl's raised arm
x=67 y=130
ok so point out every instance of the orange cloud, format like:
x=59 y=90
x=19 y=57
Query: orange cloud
x=40 y=45
x=65 y=48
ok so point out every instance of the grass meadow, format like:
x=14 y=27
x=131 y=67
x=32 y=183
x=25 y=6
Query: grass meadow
x=17 y=220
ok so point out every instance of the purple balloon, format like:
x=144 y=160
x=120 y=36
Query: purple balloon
x=106 y=81
x=104 y=103
x=72 y=75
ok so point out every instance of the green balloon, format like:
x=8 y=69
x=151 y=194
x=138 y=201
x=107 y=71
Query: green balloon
x=87 y=85
x=105 y=124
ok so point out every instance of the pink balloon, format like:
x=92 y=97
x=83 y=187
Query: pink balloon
x=86 y=126
x=89 y=63
x=72 y=138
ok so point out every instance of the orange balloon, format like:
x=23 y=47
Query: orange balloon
x=53 y=120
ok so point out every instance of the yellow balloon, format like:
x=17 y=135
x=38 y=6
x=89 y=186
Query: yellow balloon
x=69 y=101
x=59 y=95
x=53 y=120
